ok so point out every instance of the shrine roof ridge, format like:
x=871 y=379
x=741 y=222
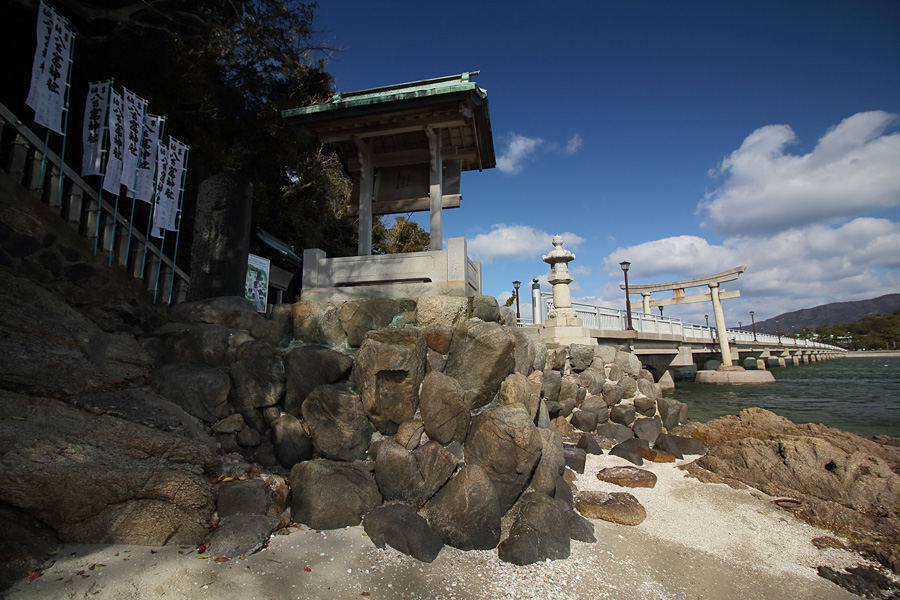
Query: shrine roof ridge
x=425 y=88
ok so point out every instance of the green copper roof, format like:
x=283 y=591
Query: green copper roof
x=393 y=93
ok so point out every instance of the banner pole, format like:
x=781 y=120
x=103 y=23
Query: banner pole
x=65 y=133
x=162 y=131
x=104 y=156
x=187 y=151
x=136 y=171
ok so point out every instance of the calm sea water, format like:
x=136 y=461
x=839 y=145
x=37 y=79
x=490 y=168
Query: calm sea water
x=858 y=394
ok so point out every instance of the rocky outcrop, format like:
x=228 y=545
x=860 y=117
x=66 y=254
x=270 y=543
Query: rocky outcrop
x=481 y=356
x=844 y=482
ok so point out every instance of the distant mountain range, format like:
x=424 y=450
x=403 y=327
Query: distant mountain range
x=835 y=313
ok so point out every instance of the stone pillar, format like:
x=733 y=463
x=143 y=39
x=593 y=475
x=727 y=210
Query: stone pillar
x=221 y=237
x=720 y=324
x=646 y=297
x=436 y=191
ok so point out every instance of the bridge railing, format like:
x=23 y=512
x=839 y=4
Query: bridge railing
x=599 y=317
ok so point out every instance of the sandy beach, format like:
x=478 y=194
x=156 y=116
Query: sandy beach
x=699 y=540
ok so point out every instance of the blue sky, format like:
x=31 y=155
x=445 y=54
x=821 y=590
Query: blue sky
x=686 y=137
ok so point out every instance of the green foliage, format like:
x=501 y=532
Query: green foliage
x=404 y=235
x=869 y=333
x=510 y=300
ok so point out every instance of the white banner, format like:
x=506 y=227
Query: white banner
x=148 y=159
x=256 y=288
x=113 y=176
x=135 y=109
x=166 y=209
x=50 y=69
x=95 y=108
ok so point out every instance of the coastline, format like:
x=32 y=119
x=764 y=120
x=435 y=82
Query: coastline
x=704 y=540
x=872 y=353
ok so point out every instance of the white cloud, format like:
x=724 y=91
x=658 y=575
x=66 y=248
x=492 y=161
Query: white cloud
x=518 y=149
x=686 y=255
x=790 y=270
x=573 y=144
x=853 y=170
x=516 y=242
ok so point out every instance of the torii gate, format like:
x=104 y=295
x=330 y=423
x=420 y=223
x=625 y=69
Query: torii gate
x=678 y=297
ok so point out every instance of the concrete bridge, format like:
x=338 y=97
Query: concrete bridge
x=667 y=344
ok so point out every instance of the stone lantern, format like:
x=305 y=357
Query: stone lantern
x=559 y=278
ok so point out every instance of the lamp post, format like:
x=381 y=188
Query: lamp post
x=660 y=311
x=707 y=319
x=754 y=325
x=516 y=285
x=625 y=266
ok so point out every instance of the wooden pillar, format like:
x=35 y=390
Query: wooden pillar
x=366 y=190
x=720 y=324
x=436 y=190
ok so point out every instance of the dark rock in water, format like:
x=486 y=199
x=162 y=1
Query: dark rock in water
x=589 y=444
x=622 y=414
x=617 y=507
x=627 y=477
x=540 y=531
x=241 y=535
x=507 y=445
x=861 y=581
x=445 y=411
x=620 y=433
x=466 y=512
x=242 y=497
x=330 y=494
x=292 y=443
x=630 y=450
x=584 y=420
x=481 y=356
x=647 y=428
x=398 y=526
x=308 y=367
x=200 y=390
x=669 y=444
x=575 y=458
x=388 y=370
x=337 y=423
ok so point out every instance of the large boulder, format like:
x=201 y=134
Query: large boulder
x=200 y=390
x=388 y=370
x=257 y=376
x=481 y=355
x=241 y=535
x=100 y=479
x=539 y=532
x=552 y=462
x=506 y=444
x=330 y=495
x=337 y=423
x=617 y=507
x=402 y=529
x=526 y=351
x=358 y=317
x=212 y=345
x=235 y=312
x=317 y=322
x=412 y=477
x=486 y=308
x=445 y=411
x=441 y=311
x=580 y=357
x=672 y=412
x=292 y=443
x=466 y=512
x=308 y=367
x=846 y=482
